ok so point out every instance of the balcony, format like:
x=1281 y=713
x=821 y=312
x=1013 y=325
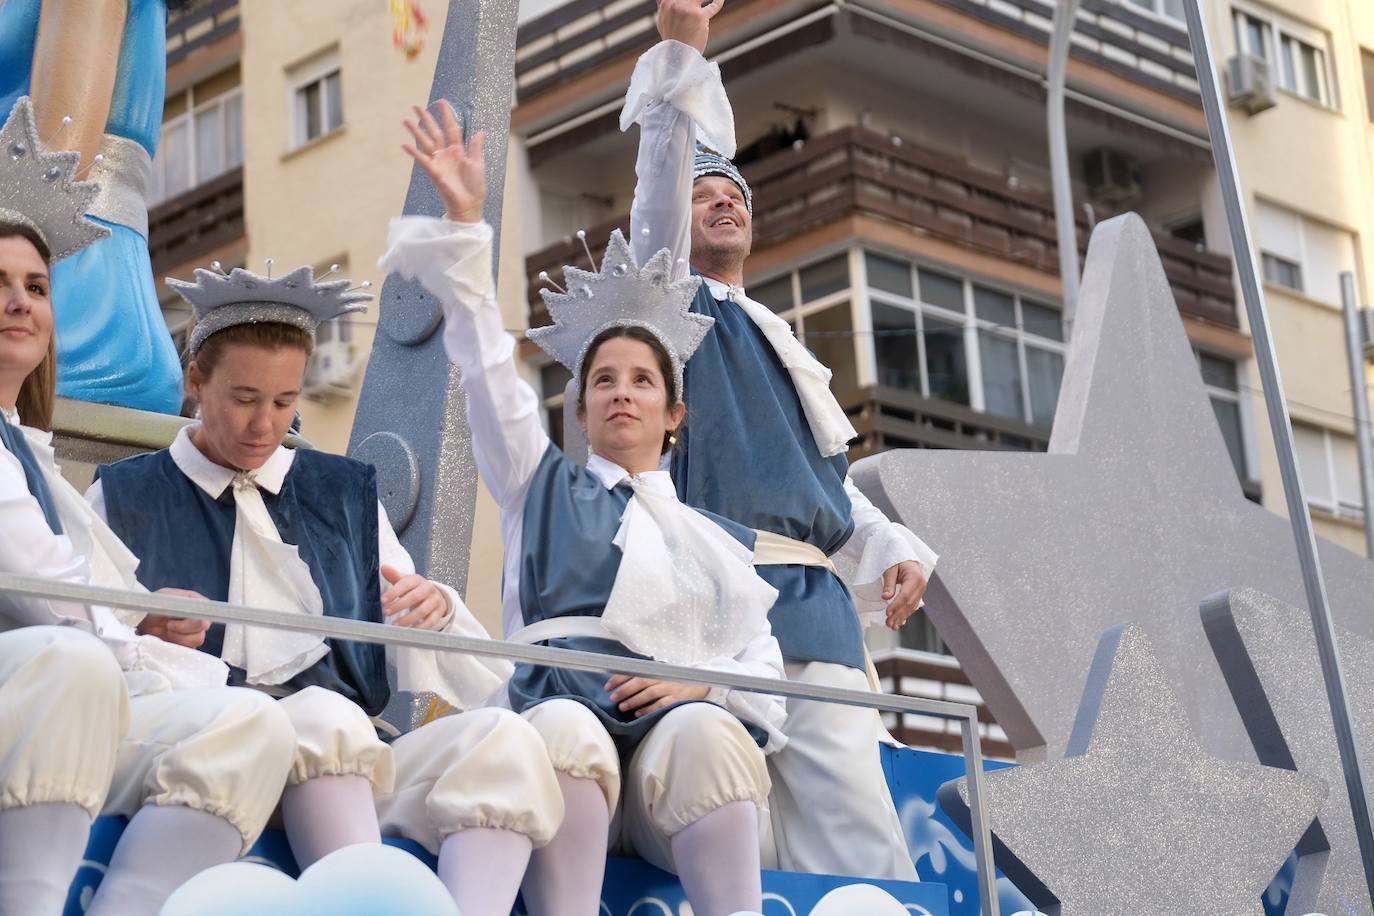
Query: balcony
x=199 y=24
x=197 y=222
x=888 y=418
x=909 y=673
x=854 y=171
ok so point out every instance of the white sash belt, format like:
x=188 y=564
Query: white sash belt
x=772 y=549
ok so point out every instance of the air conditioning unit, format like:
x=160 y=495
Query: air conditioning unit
x=333 y=371
x=1113 y=177
x=1251 y=83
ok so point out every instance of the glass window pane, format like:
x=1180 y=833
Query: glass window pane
x=946 y=362
x=553 y=379
x=1218 y=372
x=233 y=132
x=1228 y=419
x=894 y=347
x=1255 y=36
x=1316 y=477
x=209 y=143
x=888 y=274
x=776 y=294
x=1288 y=79
x=1044 y=371
x=1347 y=471
x=825 y=278
x=990 y=305
x=1173 y=8
x=1283 y=272
x=938 y=289
x=176 y=159
x=1001 y=375
x=830 y=336
x=1312 y=86
x=1042 y=320
x=334 y=101
x=308 y=103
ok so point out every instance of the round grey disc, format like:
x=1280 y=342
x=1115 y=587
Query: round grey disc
x=398 y=475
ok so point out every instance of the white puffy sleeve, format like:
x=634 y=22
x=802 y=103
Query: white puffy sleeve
x=876 y=545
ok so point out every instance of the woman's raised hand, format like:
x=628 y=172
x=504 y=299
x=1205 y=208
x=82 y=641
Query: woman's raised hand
x=457 y=170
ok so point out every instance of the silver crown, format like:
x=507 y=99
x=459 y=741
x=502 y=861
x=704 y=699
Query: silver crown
x=622 y=293
x=223 y=300
x=38 y=189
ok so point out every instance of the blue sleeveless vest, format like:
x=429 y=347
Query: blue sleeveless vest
x=327 y=508
x=13 y=441
x=567 y=568
x=759 y=466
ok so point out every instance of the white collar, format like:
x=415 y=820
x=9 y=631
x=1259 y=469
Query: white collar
x=610 y=474
x=214 y=478
x=11 y=416
x=723 y=290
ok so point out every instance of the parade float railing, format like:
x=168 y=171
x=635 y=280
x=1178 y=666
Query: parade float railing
x=338 y=628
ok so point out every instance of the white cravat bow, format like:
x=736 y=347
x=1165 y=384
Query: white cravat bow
x=266 y=573
x=830 y=426
x=686 y=591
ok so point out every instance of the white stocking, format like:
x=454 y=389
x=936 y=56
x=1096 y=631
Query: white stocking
x=40 y=849
x=328 y=813
x=717 y=860
x=163 y=847
x=564 y=877
x=482 y=868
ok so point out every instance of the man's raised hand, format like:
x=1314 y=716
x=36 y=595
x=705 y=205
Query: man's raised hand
x=687 y=21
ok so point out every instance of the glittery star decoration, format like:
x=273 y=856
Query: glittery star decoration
x=1269 y=657
x=1135 y=514
x=1136 y=818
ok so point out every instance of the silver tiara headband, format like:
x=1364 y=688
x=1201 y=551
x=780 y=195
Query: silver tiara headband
x=39 y=190
x=621 y=293
x=223 y=300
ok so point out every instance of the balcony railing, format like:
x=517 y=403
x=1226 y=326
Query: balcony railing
x=201 y=23
x=888 y=418
x=196 y=222
x=857 y=171
x=908 y=673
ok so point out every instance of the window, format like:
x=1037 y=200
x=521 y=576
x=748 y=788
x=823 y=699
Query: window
x=1170 y=8
x=1330 y=469
x=1221 y=377
x=943 y=336
x=201 y=144
x=1296 y=54
x=1367 y=65
x=553 y=379
x=1302 y=254
x=316 y=99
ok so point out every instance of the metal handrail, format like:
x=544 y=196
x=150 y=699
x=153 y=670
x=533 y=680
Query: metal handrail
x=575 y=659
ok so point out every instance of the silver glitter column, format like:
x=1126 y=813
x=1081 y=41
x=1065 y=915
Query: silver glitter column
x=412 y=415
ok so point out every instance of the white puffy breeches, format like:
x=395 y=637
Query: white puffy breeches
x=484 y=768
x=63 y=711
x=831 y=809
x=697 y=758
x=222 y=750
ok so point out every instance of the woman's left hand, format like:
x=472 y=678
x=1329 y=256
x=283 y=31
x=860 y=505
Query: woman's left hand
x=413 y=601
x=645 y=695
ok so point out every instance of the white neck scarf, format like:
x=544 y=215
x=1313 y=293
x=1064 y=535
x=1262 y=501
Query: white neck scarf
x=686 y=591
x=829 y=425
x=266 y=573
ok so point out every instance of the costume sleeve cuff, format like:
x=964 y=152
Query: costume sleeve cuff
x=764 y=711
x=675 y=73
x=463 y=681
x=452 y=260
x=889 y=545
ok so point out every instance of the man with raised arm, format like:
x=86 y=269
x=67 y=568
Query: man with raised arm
x=774 y=460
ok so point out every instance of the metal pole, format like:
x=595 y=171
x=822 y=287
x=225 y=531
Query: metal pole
x=982 y=835
x=1359 y=395
x=1276 y=404
x=1066 y=230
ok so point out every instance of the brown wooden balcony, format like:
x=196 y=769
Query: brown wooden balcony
x=888 y=418
x=917 y=674
x=858 y=171
x=196 y=222
x=199 y=24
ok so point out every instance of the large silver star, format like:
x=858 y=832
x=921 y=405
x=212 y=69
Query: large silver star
x=1269 y=657
x=1135 y=514
x=1136 y=818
